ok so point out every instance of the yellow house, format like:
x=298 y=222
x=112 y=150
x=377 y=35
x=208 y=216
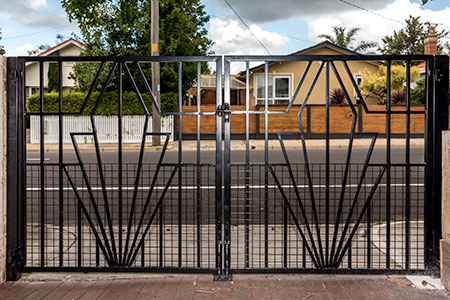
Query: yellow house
x=285 y=76
x=70 y=47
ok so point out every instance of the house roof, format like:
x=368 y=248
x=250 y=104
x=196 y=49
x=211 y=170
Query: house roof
x=421 y=67
x=62 y=45
x=324 y=44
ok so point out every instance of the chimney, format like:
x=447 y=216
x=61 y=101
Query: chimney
x=430 y=43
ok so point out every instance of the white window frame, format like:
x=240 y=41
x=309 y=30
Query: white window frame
x=261 y=101
x=357 y=76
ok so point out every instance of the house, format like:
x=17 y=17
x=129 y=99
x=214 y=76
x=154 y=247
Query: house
x=430 y=45
x=208 y=90
x=70 y=47
x=285 y=76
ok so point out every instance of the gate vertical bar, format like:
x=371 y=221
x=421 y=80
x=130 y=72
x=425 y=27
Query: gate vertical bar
x=218 y=171
x=388 y=167
x=15 y=192
x=119 y=159
x=199 y=211
x=327 y=164
x=437 y=97
x=180 y=160
x=247 y=165
x=408 y=166
x=41 y=164
x=60 y=162
x=266 y=164
x=227 y=170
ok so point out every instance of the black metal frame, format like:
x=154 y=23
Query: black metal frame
x=325 y=255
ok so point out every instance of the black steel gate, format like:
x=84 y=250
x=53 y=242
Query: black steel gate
x=83 y=204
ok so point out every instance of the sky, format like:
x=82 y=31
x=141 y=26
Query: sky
x=282 y=26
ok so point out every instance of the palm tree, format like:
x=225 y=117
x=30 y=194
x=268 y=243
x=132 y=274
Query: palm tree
x=346 y=39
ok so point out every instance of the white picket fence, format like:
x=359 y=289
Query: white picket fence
x=107 y=128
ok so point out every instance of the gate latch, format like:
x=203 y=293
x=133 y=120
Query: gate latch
x=225 y=111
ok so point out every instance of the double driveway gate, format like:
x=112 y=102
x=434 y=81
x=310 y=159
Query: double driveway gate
x=290 y=205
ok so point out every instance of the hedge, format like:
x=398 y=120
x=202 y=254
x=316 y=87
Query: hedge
x=108 y=106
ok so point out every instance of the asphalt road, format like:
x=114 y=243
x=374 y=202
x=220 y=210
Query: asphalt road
x=202 y=200
x=275 y=156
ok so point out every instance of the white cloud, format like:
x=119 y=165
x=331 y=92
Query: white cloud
x=270 y=10
x=230 y=37
x=36 y=3
x=373 y=27
x=20 y=50
x=32 y=13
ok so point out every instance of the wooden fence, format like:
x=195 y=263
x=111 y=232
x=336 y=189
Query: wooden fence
x=313 y=118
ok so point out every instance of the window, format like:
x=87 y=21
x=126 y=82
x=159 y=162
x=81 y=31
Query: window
x=359 y=81
x=279 y=90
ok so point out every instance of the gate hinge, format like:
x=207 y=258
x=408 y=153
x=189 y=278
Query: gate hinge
x=17 y=74
x=225 y=111
x=437 y=75
x=16 y=254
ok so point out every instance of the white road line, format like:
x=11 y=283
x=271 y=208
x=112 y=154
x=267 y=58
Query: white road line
x=211 y=187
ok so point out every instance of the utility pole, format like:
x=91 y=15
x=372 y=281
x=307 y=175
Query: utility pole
x=156 y=118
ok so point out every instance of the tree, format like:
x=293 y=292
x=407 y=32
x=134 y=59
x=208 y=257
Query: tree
x=410 y=39
x=2 y=50
x=122 y=28
x=347 y=39
x=375 y=84
x=38 y=49
x=418 y=94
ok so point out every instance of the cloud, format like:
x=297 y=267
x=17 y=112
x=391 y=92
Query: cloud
x=230 y=37
x=259 y=11
x=20 y=50
x=373 y=27
x=36 y=3
x=32 y=13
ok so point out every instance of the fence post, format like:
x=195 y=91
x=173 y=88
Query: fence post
x=15 y=226
x=436 y=122
x=3 y=168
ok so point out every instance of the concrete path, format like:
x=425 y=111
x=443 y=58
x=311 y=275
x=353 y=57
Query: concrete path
x=134 y=287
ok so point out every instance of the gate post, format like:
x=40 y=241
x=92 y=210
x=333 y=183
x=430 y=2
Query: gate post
x=3 y=167
x=437 y=106
x=15 y=223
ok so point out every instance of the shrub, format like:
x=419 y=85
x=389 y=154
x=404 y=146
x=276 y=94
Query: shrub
x=108 y=106
x=398 y=97
x=337 y=96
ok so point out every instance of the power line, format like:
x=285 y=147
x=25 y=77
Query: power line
x=372 y=12
x=283 y=34
x=34 y=33
x=243 y=22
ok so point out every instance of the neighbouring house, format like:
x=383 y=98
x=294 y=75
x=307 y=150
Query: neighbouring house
x=430 y=44
x=208 y=90
x=285 y=76
x=70 y=47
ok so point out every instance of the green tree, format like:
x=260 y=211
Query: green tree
x=2 y=50
x=409 y=40
x=122 y=28
x=375 y=84
x=53 y=75
x=418 y=94
x=347 y=39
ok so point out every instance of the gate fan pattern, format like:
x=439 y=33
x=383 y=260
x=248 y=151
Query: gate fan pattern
x=318 y=246
x=116 y=251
